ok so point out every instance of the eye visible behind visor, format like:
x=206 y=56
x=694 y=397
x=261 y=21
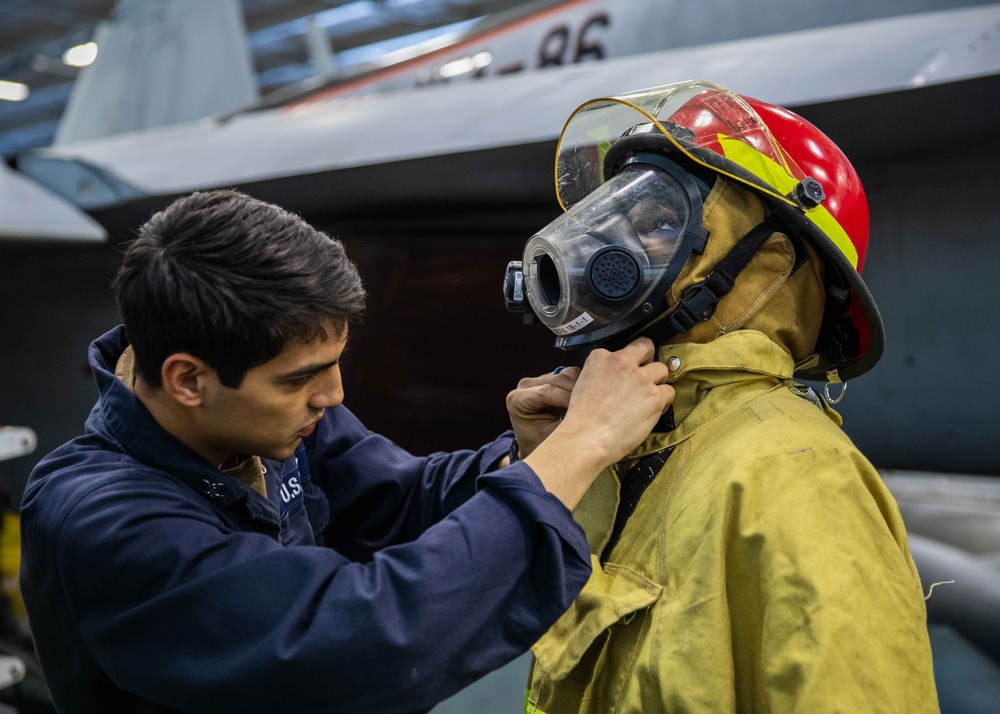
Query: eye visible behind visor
x=604 y=266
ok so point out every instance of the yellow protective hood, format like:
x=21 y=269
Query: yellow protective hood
x=767 y=296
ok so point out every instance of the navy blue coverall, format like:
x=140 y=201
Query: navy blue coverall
x=369 y=580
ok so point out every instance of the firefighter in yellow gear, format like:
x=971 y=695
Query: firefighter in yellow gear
x=746 y=557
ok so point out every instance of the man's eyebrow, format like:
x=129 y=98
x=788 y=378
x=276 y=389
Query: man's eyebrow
x=308 y=370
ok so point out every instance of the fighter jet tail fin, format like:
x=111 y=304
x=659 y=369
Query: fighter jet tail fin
x=162 y=62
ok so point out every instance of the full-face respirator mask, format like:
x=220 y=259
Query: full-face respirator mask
x=601 y=271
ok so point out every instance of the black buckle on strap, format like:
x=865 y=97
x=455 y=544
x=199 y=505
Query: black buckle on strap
x=699 y=301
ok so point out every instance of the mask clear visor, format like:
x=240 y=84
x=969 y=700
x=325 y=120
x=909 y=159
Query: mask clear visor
x=604 y=264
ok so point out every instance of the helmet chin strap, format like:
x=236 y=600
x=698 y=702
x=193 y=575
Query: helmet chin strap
x=699 y=301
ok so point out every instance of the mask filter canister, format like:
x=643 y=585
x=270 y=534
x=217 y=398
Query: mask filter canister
x=612 y=273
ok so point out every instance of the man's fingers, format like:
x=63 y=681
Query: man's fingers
x=657 y=372
x=566 y=378
x=541 y=398
x=641 y=349
x=551 y=396
x=570 y=373
x=667 y=394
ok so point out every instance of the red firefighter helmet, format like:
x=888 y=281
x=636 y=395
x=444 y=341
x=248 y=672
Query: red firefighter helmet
x=792 y=165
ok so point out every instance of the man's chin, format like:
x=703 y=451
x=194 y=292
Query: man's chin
x=280 y=453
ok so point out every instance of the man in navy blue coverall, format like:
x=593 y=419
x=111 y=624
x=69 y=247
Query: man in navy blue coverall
x=226 y=537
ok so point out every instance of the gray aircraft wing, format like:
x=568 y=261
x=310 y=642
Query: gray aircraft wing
x=325 y=135
x=29 y=211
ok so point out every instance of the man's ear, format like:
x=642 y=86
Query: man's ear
x=185 y=378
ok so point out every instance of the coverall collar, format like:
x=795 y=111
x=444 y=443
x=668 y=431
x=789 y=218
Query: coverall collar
x=123 y=419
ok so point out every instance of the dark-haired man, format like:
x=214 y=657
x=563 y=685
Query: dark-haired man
x=226 y=536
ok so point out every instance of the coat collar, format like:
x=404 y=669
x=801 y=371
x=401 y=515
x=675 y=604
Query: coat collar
x=123 y=419
x=717 y=377
x=713 y=380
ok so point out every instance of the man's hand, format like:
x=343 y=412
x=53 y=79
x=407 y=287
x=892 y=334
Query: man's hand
x=537 y=406
x=612 y=406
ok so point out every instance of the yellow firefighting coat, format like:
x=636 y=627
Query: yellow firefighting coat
x=765 y=569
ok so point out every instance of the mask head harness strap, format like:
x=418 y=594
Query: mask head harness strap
x=699 y=301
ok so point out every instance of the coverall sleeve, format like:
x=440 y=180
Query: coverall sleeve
x=834 y=606
x=185 y=612
x=381 y=495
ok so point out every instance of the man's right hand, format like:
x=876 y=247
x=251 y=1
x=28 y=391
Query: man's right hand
x=616 y=401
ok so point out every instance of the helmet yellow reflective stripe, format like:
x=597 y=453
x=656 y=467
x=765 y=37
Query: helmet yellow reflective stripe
x=768 y=170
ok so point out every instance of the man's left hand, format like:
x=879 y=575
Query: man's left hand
x=538 y=404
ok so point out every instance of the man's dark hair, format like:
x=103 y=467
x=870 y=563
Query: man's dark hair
x=231 y=280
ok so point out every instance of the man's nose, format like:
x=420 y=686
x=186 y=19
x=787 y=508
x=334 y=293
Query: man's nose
x=330 y=392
